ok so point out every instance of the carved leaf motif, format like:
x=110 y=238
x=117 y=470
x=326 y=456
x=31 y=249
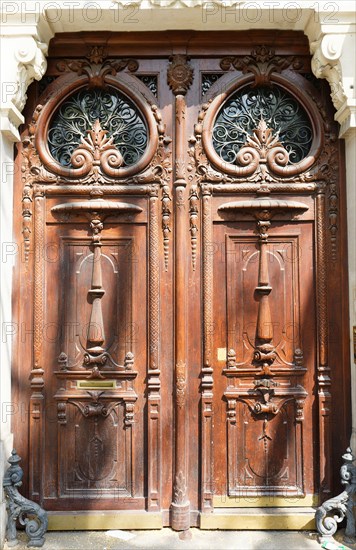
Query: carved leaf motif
x=96 y=68
x=180 y=488
x=180 y=384
x=262 y=63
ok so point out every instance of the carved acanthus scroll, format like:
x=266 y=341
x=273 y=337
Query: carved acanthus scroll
x=262 y=63
x=96 y=154
x=97 y=66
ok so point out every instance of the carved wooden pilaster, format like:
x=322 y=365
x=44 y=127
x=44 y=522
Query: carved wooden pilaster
x=37 y=372
x=180 y=76
x=324 y=381
x=207 y=370
x=153 y=383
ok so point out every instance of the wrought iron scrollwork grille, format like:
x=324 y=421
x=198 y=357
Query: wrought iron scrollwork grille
x=241 y=113
x=117 y=114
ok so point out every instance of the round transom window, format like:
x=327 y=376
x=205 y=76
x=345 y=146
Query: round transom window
x=117 y=115
x=242 y=112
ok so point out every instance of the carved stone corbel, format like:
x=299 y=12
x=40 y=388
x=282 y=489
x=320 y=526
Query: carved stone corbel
x=326 y=64
x=25 y=61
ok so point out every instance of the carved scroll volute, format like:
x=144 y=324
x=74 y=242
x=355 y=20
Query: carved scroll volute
x=96 y=152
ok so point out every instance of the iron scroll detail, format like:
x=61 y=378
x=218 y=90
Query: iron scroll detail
x=335 y=509
x=241 y=113
x=117 y=115
x=30 y=514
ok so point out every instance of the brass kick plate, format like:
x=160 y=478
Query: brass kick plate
x=96 y=384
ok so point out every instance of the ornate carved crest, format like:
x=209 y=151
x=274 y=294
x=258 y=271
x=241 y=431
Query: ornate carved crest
x=262 y=62
x=96 y=67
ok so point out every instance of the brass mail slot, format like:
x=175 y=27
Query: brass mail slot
x=96 y=384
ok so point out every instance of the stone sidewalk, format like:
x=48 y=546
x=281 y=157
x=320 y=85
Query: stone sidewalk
x=166 y=539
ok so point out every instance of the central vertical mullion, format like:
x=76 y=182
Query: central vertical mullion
x=179 y=78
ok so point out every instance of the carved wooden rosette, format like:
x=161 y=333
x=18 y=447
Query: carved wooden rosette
x=97 y=173
x=180 y=77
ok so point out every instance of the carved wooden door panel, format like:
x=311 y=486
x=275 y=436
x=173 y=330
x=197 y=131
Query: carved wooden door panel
x=182 y=270
x=259 y=149
x=96 y=188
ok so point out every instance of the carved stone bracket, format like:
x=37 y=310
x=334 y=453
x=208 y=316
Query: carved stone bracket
x=326 y=64
x=335 y=509
x=23 y=61
x=29 y=514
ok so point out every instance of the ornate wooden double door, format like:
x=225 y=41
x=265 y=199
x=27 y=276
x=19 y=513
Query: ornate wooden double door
x=181 y=290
